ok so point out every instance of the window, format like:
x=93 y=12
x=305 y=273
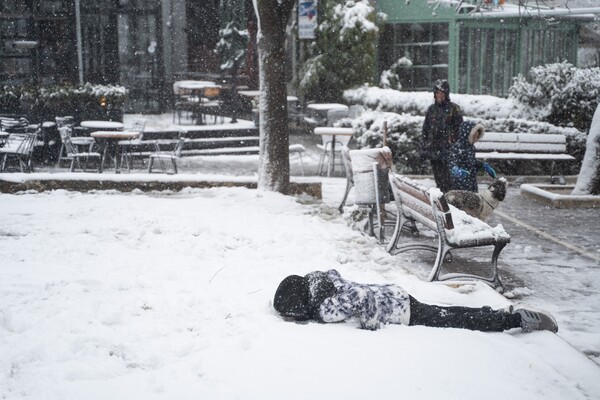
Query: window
x=34 y=41
x=487 y=60
x=426 y=45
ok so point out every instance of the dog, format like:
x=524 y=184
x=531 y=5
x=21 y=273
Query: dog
x=479 y=205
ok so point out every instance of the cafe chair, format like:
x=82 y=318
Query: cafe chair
x=329 y=155
x=18 y=147
x=74 y=155
x=80 y=142
x=166 y=150
x=183 y=102
x=210 y=104
x=345 y=153
x=132 y=148
x=14 y=125
x=298 y=149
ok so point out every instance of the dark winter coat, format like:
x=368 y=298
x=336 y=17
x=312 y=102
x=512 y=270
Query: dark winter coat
x=462 y=155
x=372 y=304
x=440 y=129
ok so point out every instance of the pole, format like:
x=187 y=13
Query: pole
x=385 y=133
x=79 y=41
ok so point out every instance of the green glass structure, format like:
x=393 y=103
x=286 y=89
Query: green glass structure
x=478 y=49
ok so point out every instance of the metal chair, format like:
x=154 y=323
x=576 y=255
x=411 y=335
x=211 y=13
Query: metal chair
x=329 y=154
x=166 y=150
x=298 y=149
x=19 y=146
x=74 y=155
x=133 y=147
x=78 y=141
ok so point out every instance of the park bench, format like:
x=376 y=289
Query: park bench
x=453 y=227
x=526 y=147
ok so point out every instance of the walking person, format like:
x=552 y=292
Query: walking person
x=440 y=131
x=327 y=297
x=464 y=166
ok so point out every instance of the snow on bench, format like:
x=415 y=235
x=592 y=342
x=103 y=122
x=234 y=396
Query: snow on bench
x=523 y=146
x=454 y=228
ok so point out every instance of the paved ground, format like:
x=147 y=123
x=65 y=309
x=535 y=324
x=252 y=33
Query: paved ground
x=540 y=270
x=557 y=270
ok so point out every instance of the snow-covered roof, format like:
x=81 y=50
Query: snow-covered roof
x=517 y=11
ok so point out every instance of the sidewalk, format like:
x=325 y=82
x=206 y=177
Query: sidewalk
x=539 y=270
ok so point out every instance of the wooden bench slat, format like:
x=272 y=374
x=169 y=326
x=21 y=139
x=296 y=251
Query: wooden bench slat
x=521 y=147
x=523 y=137
x=415 y=204
x=523 y=156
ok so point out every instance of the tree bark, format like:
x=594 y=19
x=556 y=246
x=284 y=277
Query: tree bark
x=274 y=166
x=588 y=181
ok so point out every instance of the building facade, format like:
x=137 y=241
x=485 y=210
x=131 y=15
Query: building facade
x=479 y=49
x=144 y=45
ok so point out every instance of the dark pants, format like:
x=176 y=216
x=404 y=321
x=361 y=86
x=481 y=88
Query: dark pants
x=475 y=319
x=441 y=174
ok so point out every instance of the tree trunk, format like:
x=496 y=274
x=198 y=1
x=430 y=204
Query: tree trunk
x=274 y=165
x=588 y=181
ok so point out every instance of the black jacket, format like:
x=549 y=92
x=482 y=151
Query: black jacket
x=440 y=130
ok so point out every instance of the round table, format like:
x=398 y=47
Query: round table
x=333 y=132
x=110 y=143
x=102 y=125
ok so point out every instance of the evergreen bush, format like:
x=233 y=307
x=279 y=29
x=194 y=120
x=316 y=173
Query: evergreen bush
x=561 y=93
x=390 y=78
x=343 y=55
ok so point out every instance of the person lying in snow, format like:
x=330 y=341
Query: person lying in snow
x=327 y=297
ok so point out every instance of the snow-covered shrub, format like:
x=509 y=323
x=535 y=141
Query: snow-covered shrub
x=561 y=93
x=89 y=101
x=390 y=78
x=343 y=54
x=10 y=99
x=476 y=106
x=495 y=113
x=403 y=134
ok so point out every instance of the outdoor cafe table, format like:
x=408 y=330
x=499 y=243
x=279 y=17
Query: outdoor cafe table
x=333 y=132
x=196 y=88
x=102 y=125
x=110 y=142
x=327 y=106
x=318 y=111
x=255 y=93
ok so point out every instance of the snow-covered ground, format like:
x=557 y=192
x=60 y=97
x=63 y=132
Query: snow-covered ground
x=168 y=296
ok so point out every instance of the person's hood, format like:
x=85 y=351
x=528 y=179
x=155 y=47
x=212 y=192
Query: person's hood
x=471 y=132
x=442 y=85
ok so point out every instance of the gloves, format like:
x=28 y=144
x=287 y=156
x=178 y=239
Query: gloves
x=459 y=172
x=488 y=168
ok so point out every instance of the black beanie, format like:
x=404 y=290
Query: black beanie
x=291 y=298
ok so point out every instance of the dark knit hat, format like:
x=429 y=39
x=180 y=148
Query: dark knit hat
x=291 y=298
